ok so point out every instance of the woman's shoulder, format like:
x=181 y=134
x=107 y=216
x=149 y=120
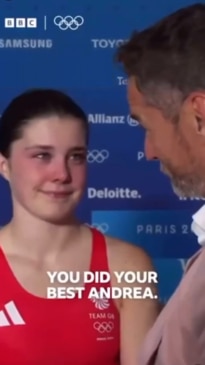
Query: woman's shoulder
x=131 y=255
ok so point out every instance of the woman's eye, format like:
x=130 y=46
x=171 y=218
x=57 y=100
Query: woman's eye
x=43 y=156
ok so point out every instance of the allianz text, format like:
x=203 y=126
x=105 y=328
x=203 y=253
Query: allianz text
x=100 y=118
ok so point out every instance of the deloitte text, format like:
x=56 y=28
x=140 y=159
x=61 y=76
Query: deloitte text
x=26 y=43
x=107 y=43
x=116 y=193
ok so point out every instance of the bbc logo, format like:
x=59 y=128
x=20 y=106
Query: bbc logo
x=20 y=22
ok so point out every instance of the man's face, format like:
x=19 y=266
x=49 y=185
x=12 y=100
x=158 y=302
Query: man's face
x=178 y=146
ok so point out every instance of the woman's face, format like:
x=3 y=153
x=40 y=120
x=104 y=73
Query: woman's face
x=47 y=168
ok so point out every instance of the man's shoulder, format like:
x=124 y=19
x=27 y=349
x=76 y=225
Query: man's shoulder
x=189 y=297
x=195 y=269
x=200 y=253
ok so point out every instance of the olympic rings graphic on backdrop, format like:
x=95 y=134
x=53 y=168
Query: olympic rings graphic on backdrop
x=73 y=23
x=103 y=327
x=102 y=227
x=98 y=156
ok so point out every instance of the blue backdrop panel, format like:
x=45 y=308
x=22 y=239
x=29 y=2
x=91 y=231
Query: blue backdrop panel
x=162 y=233
x=71 y=46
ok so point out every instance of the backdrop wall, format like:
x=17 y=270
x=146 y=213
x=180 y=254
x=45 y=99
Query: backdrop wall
x=70 y=46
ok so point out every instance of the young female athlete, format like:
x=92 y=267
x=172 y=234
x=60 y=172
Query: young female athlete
x=43 y=146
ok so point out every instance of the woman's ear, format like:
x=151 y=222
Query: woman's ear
x=4 y=167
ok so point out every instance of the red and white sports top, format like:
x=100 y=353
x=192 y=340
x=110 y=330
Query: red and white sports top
x=38 y=331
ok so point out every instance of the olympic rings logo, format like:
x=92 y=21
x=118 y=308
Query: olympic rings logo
x=73 y=23
x=104 y=327
x=102 y=227
x=97 y=156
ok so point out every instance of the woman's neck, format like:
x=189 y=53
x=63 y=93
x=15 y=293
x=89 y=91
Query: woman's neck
x=37 y=238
